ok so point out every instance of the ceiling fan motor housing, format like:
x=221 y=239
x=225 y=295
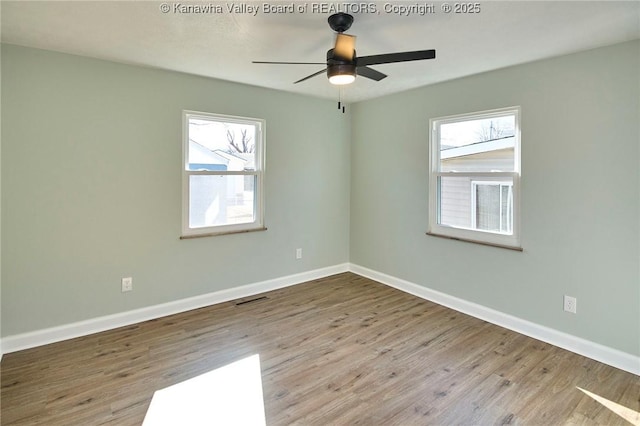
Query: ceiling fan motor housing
x=338 y=66
x=341 y=69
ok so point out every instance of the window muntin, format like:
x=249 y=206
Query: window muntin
x=474 y=177
x=223 y=174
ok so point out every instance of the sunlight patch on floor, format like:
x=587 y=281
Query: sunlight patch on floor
x=628 y=414
x=229 y=395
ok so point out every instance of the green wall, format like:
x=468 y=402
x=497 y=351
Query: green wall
x=1 y=351
x=580 y=194
x=91 y=155
x=91 y=188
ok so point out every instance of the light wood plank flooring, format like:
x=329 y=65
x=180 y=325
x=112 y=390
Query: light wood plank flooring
x=337 y=351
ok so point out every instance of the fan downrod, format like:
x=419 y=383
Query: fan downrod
x=340 y=22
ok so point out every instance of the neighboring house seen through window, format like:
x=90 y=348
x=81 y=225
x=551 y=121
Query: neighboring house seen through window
x=492 y=206
x=475 y=177
x=223 y=167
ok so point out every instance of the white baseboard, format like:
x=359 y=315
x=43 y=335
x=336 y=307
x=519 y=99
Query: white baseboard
x=596 y=351
x=95 y=325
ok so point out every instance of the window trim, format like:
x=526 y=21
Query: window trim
x=466 y=234
x=259 y=172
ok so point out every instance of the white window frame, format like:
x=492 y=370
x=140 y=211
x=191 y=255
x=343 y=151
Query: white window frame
x=459 y=233
x=258 y=201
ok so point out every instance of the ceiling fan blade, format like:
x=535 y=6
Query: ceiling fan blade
x=289 y=63
x=388 y=58
x=345 y=46
x=370 y=73
x=309 y=76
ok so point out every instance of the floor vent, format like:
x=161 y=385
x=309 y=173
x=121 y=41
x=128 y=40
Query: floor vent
x=244 y=302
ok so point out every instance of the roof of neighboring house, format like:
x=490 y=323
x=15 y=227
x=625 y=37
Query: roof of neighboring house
x=247 y=159
x=448 y=152
x=202 y=158
x=228 y=155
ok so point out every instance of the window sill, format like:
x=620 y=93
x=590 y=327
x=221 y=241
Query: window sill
x=215 y=234
x=484 y=243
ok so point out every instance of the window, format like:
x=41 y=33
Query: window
x=475 y=177
x=222 y=174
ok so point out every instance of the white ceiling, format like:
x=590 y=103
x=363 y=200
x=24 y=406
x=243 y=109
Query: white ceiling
x=223 y=45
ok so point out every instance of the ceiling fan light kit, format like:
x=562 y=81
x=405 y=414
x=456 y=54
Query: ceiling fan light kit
x=340 y=78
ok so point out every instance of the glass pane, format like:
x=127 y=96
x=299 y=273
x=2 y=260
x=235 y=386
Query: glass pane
x=472 y=204
x=482 y=145
x=454 y=201
x=217 y=145
x=216 y=200
x=494 y=206
x=488 y=207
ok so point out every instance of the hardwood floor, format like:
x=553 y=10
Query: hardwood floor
x=340 y=350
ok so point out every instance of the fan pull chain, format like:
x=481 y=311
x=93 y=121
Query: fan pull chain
x=340 y=106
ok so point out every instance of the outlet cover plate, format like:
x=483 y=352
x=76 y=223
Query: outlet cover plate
x=570 y=304
x=127 y=284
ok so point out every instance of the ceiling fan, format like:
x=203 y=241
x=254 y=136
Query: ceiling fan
x=343 y=65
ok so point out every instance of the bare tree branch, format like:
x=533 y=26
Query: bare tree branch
x=245 y=147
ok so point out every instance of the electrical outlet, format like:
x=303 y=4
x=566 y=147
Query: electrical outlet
x=299 y=253
x=127 y=284
x=570 y=304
